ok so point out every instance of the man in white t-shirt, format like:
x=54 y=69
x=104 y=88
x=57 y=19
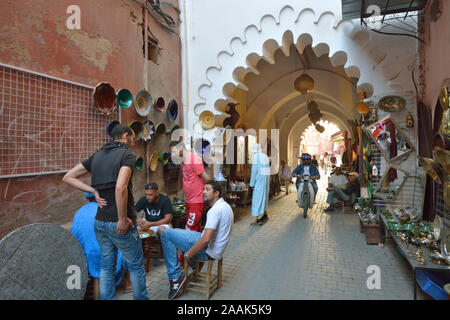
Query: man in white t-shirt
x=336 y=184
x=210 y=244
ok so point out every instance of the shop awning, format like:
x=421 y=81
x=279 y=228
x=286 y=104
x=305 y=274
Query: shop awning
x=357 y=9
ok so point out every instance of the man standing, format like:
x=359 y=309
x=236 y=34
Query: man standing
x=285 y=175
x=158 y=210
x=115 y=228
x=194 y=179
x=210 y=244
x=259 y=180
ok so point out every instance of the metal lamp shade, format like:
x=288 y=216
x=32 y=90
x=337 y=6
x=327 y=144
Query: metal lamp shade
x=160 y=129
x=207 y=120
x=149 y=131
x=104 y=98
x=138 y=129
x=110 y=127
x=124 y=98
x=312 y=106
x=304 y=83
x=159 y=104
x=143 y=103
x=362 y=107
x=170 y=131
x=164 y=158
x=139 y=163
x=153 y=161
x=432 y=169
x=443 y=157
x=172 y=110
x=202 y=147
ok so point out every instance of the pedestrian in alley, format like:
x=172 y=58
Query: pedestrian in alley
x=208 y=245
x=115 y=225
x=285 y=175
x=259 y=180
x=194 y=179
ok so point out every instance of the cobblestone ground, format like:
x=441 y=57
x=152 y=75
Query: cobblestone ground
x=321 y=257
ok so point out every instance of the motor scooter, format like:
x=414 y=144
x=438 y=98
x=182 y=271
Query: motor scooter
x=305 y=194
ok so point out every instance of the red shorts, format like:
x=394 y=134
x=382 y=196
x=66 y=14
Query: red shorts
x=194 y=213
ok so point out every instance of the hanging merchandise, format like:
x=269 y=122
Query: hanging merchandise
x=172 y=110
x=138 y=129
x=110 y=127
x=124 y=98
x=392 y=103
x=409 y=121
x=139 y=163
x=143 y=103
x=159 y=104
x=149 y=131
x=374 y=171
x=104 y=98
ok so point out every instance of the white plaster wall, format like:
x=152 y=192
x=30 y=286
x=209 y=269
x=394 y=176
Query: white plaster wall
x=219 y=36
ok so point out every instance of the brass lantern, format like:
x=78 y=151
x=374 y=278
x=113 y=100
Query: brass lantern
x=304 y=83
x=319 y=128
x=409 y=121
x=362 y=107
x=312 y=106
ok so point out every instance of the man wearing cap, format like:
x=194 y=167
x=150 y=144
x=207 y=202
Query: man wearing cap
x=115 y=227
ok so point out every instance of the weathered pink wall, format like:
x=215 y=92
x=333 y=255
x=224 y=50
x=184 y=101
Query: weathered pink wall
x=437 y=53
x=33 y=36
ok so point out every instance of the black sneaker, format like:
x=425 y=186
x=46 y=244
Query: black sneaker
x=175 y=286
x=265 y=217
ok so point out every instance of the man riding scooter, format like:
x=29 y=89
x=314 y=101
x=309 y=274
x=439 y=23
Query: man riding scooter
x=307 y=168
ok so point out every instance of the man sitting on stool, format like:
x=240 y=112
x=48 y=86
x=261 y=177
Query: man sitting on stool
x=347 y=193
x=158 y=210
x=210 y=244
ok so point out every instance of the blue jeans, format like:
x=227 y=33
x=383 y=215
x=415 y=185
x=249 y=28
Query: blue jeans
x=130 y=246
x=183 y=239
x=337 y=193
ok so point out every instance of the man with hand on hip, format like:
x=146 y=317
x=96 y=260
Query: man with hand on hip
x=115 y=228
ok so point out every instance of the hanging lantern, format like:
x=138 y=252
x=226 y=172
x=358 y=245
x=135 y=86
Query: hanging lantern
x=362 y=107
x=304 y=83
x=312 y=106
x=409 y=121
x=319 y=128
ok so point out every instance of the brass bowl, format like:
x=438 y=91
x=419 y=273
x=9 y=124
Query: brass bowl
x=443 y=156
x=432 y=168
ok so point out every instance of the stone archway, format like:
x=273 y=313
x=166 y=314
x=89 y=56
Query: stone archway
x=366 y=63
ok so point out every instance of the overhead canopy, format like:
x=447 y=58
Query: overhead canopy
x=357 y=9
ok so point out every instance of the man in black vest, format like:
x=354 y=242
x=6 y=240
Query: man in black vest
x=115 y=228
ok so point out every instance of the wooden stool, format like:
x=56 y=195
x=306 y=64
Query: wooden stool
x=147 y=244
x=203 y=282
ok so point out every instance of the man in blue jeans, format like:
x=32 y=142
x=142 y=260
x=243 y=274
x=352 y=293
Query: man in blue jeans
x=115 y=228
x=210 y=244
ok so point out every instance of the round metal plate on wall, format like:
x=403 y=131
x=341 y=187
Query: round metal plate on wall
x=143 y=103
